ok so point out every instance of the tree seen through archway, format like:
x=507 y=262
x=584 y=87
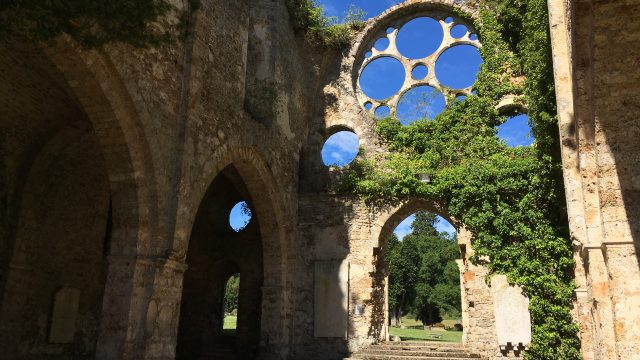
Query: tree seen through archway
x=424 y=280
x=230 y=303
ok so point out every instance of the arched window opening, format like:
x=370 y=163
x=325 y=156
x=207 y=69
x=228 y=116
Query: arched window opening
x=516 y=131
x=230 y=304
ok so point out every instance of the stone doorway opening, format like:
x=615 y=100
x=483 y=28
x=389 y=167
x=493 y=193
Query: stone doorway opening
x=423 y=296
x=225 y=242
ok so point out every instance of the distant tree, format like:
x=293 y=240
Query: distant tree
x=231 y=291
x=404 y=265
x=423 y=275
x=424 y=224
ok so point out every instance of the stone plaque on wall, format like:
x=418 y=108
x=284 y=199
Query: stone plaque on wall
x=331 y=280
x=513 y=320
x=63 y=317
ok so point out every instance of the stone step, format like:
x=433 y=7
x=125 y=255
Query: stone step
x=405 y=352
x=422 y=343
x=417 y=347
x=405 y=357
x=414 y=350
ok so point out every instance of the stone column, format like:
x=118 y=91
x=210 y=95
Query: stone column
x=601 y=306
x=141 y=308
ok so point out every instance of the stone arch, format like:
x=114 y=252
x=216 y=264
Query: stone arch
x=99 y=90
x=387 y=220
x=391 y=218
x=102 y=106
x=275 y=229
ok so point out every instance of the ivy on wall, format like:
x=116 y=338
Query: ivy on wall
x=92 y=23
x=511 y=199
x=321 y=30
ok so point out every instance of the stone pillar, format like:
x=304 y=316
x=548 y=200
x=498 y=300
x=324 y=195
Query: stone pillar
x=17 y=282
x=274 y=332
x=601 y=306
x=141 y=308
x=624 y=275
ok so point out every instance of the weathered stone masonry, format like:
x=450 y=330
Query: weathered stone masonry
x=119 y=166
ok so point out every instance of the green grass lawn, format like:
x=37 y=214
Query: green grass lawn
x=414 y=330
x=420 y=334
x=229 y=327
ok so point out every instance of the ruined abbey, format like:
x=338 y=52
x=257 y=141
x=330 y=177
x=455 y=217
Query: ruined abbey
x=119 y=167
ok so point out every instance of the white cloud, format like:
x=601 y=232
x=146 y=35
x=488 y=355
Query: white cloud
x=337 y=157
x=404 y=228
x=443 y=225
x=344 y=141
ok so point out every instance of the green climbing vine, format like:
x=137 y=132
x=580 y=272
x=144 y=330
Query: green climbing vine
x=93 y=23
x=511 y=199
x=321 y=30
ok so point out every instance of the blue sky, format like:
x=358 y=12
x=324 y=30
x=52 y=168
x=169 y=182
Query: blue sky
x=239 y=219
x=456 y=68
x=340 y=148
x=404 y=227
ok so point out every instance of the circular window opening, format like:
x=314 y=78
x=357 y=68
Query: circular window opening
x=340 y=149
x=421 y=102
x=381 y=44
x=458 y=66
x=516 y=131
x=419 y=38
x=240 y=216
x=368 y=105
x=419 y=72
x=382 y=78
x=382 y=111
x=458 y=31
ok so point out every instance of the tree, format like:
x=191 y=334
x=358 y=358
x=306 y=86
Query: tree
x=404 y=264
x=423 y=274
x=231 y=291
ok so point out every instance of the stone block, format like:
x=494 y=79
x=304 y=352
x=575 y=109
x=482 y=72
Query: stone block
x=513 y=321
x=331 y=300
x=63 y=317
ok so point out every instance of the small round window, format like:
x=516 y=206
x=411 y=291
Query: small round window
x=240 y=216
x=340 y=149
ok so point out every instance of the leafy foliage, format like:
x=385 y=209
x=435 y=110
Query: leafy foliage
x=231 y=291
x=511 y=199
x=90 y=22
x=423 y=275
x=321 y=30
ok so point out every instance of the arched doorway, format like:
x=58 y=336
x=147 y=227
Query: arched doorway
x=219 y=248
x=424 y=250
x=424 y=293
x=59 y=220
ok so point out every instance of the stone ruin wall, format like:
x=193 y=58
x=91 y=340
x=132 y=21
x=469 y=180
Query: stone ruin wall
x=335 y=227
x=166 y=121
x=595 y=71
x=151 y=129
